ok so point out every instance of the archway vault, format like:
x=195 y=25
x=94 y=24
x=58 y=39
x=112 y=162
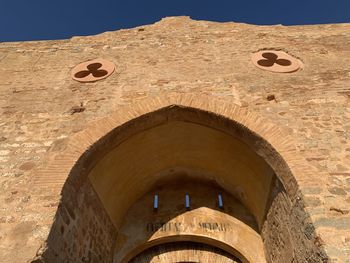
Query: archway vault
x=227 y=141
x=272 y=137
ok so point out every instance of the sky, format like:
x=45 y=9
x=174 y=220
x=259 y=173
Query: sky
x=60 y=19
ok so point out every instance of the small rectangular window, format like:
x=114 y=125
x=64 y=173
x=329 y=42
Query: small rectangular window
x=221 y=203
x=155 y=202
x=187 y=201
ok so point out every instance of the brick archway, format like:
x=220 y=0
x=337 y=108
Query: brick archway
x=275 y=146
x=281 y=143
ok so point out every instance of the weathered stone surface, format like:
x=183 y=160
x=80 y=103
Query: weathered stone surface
x=82 y=231
x=175 y=55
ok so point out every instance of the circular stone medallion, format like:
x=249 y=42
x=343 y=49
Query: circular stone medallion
x=93 y=70
x=275 y=61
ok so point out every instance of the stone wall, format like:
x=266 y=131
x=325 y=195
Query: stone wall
x=288 y=233
x=81 y=232
x=38 y=102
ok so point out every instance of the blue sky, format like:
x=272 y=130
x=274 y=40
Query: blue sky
x=59 y=19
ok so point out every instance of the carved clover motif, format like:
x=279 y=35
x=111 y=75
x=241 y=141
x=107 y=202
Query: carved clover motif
x=271 y=59
x=276 y=61
x=92 y=69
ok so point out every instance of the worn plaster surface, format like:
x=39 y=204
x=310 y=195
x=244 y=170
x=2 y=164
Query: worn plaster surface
x=42 y=107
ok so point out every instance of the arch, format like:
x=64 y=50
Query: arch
x=281 y=146
x=192 y=238
x=85 y=150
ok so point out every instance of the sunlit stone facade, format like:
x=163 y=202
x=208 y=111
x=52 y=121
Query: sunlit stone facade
x=180 y=141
